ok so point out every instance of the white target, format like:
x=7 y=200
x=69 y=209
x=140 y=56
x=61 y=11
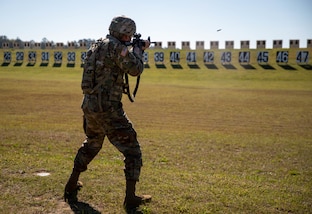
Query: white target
x=191 y=57
x=263 y=57
x=282 y=56
x=302 y=57
x=45 y=56
x=208 y=57
x=71 y=57
x=58 y=56
x=145 y=57
x=244 y=57
x=19 y=56
x=7 y=56
x=32 y=56
x=226 y=57
x=174 y=57
x=159 y=57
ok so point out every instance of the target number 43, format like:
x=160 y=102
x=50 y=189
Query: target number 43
x=226 y=57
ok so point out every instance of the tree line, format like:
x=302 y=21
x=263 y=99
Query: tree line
x=43 y=43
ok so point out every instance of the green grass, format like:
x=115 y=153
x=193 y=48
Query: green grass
x=213 y=141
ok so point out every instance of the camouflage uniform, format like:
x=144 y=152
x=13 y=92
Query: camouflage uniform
x=103 y=85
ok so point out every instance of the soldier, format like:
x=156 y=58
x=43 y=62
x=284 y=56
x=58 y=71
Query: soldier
x=102 y=85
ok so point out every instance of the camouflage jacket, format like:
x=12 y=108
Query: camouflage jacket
x=104 y=68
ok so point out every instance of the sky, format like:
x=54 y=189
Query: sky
x=162 y=20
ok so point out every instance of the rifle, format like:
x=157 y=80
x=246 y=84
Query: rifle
x=138 y=42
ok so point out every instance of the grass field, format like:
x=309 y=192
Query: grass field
x=213 y=141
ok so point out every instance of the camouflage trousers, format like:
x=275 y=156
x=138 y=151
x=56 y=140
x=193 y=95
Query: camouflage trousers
x=109 y=120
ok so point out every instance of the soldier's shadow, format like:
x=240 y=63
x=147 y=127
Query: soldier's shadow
x=83 y=208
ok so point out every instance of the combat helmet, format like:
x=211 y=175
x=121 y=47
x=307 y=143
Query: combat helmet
x=122 y=25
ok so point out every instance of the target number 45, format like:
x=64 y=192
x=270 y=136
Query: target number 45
x=263 y=57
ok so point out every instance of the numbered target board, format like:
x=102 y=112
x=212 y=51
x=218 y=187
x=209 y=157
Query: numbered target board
x=209 y=57
x=159 y=57
x=145 y=57
x=7 y=57
x=191 y=57
x=58 y=56
x=83 y=56
x=174 y=57
x=226 y=57
x=71 y=57
x=302 y=57
x=19 y=56
x=32 y=56
x=244 y=57
x=45 y=57
x=263 y=57
x=281 y=56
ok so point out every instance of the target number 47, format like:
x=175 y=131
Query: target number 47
x=302 y=57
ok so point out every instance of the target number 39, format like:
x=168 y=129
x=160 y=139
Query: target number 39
x=159 y=57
